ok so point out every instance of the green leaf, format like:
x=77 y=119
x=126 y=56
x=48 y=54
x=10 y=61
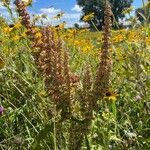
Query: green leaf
x=42 y=136
x=113 y=106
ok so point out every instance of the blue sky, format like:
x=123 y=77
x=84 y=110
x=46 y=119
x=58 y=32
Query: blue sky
x=53 y=7
x=57 y=4
x=66 y=5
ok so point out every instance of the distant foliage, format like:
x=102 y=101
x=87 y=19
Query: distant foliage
x=97 y=7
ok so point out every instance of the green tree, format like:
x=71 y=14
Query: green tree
x=97 y=7
x=143 y=13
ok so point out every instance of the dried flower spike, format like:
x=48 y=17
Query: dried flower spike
x=104 y=68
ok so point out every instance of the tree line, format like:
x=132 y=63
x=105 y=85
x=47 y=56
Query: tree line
x=96 y=7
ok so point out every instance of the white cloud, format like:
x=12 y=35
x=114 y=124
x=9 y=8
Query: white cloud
x=77 y=8
x=50 y=11
x=70 y=18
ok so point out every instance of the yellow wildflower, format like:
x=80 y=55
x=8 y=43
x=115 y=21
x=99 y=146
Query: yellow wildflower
x=58 y=16
x=60 y=26
x=87 y=47
x=111 y=95
x=118 y=38
x=128 y=10
x=7 y=30
x=17 y=37
x=88 y=17
x=77 y=43
x=38 y=35
x=84 y=30
x=73 y=31
x=18 y=25
x=36 y=29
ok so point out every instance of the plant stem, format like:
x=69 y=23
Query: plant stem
x=55 y=144
x=95 y=26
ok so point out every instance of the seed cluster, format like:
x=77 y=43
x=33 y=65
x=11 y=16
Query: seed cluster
x=104 y=68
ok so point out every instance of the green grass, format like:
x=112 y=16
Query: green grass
x=29 y=120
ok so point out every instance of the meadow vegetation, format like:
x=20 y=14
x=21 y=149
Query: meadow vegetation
x=72 y=88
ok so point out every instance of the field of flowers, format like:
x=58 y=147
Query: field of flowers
x=72 y=88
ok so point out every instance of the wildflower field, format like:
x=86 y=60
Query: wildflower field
x=73 y=88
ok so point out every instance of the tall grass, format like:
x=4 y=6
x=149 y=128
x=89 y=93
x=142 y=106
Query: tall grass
x=59 y=92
